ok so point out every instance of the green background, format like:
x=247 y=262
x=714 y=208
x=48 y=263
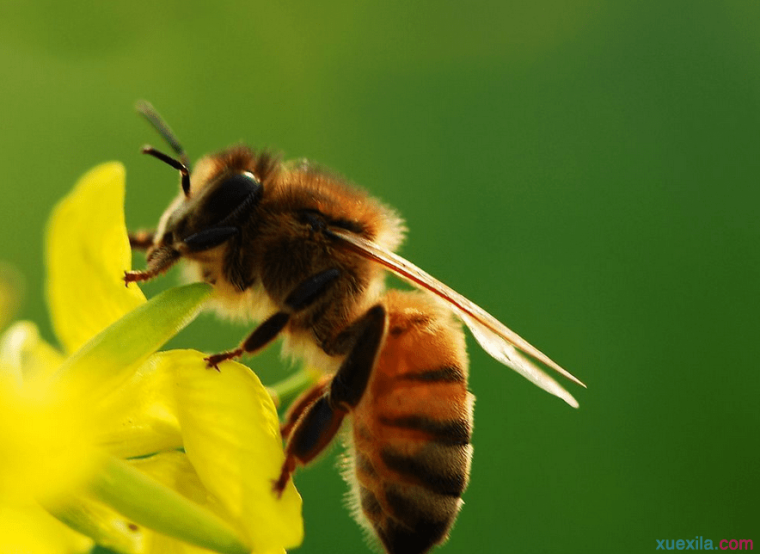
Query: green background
x=587 y=171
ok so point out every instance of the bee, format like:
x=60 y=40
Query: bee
x=295 y=247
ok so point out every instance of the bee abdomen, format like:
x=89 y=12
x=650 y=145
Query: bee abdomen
x=409 y=519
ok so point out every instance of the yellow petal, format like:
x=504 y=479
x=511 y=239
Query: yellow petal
x=139 y=417
x=174 y=470
x=44 y=441
x=22 y=348
x=87 y=252
x=110 y=358
x=104 y=525
x=162 y=508
x=232 y=438
x=31 y=530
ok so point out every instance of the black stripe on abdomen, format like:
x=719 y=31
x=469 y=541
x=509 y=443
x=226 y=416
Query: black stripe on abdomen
x=370 y=506
x=364 y=467
x=440 y=469
x=447 y=374
x=419 y=520
x=456 y=431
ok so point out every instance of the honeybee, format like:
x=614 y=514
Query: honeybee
x=295 y=247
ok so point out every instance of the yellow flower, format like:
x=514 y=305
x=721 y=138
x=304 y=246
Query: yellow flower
x=138 y=451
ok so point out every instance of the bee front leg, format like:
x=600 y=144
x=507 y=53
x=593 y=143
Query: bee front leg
x=159 y=261
x=141 y=240
x=299 y=299
x=319 y=421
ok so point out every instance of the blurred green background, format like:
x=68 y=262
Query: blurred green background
x=585 y=170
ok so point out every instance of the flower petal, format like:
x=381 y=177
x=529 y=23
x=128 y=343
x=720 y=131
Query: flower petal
x=31 y=530
x=140 y=417
x=174 y=470
x=161 y=508
x=110 y=358
x=45 y=441
x=232 y=437
x=87 y=252
x=31 y=357
x=104 y=525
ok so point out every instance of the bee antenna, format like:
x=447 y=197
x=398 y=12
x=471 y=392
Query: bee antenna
x=146 y=109
x=176 y=164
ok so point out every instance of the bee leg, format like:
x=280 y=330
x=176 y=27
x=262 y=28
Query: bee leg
x=349 y=383
x=300 y=404
x=205 y=240
x=320 y=420
x=141 y=240
x=313 y=431
x=300 y=298
x=159 y=261
x=309 y=290
x=260 y=337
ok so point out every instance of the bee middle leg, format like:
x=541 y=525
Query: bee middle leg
x=318 y=422
x=299 y=299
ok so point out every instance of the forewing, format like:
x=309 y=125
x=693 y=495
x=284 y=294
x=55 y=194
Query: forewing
x=499 y=341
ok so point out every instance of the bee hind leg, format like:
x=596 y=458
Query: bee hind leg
x=302 y=403
x=313 y=431
x=318 y=422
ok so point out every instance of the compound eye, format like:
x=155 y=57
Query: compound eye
x=232 y=196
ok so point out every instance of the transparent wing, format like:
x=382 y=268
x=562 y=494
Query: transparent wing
x=494 y=337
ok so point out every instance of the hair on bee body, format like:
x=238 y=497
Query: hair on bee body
x=294 y=247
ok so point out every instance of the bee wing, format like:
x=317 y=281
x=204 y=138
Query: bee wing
x=494 y=337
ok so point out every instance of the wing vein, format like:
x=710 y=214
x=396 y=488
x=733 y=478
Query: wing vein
x=476 y=318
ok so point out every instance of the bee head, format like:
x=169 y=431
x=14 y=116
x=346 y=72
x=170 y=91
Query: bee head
x=211 y=207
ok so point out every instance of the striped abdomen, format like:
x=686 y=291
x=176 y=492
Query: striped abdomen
x=412 y=427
